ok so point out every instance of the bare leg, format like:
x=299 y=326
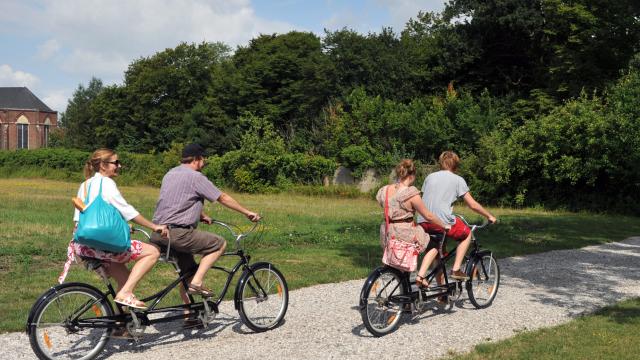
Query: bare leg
x=144 y=263
x=119 y=272
x=426 y=261
x=461 y=251
x=205 y=263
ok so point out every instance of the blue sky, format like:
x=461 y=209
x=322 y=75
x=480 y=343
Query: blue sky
x=51 y=46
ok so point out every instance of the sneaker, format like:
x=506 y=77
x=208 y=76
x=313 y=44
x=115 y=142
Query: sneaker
x=458 y=275
x=442 y=300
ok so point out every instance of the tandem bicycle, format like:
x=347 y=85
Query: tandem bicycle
x=75 y=320
x=388 y=293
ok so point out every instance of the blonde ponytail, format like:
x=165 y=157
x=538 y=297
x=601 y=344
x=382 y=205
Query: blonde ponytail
x=92 y=165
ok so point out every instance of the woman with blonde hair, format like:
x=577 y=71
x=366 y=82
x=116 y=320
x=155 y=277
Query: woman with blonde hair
x=404 y=201
x=100 y=170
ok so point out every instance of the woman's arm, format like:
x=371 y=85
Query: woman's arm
x=141 y=220
x=418 y=205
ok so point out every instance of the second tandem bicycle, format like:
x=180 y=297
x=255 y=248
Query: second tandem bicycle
x=388 y=292
x=75 y=320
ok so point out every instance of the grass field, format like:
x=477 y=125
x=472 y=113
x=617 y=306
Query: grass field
x=311 y=240
x=611 y=333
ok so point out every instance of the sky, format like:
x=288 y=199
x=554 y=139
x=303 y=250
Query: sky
x=52 y=46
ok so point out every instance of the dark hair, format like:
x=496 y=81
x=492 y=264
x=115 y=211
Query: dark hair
x=191 y=153
x=405 y=168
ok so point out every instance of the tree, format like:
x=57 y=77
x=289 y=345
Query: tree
x=162 y=90
x=284 y=78
x=78 y=121
x=376 y=62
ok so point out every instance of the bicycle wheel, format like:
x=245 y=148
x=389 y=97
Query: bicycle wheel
x=54 y=331
x=482 y=286
x=264 y=297
x=380 y=307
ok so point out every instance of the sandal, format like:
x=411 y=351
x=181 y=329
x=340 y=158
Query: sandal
x=199 y=290
x=442 y=300
x=121 y=333
x=421 y=282
x=131 y=301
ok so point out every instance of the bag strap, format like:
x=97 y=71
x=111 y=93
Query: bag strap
x=87 y=193
x=386 y=212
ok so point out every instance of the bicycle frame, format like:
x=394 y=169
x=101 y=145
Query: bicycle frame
x=442 y=258
x=141 y=316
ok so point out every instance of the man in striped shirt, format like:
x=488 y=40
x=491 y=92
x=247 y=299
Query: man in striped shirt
x=182 y=194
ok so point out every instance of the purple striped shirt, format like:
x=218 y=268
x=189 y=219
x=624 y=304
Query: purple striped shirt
x=182 y=196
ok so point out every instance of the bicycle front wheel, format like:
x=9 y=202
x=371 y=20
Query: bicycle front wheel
x=57 y=329
x=264 y=297
x=482 y=287
x=380 y=303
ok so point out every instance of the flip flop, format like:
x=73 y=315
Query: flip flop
x=131 y=301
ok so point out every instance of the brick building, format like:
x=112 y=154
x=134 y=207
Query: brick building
x=25 y=121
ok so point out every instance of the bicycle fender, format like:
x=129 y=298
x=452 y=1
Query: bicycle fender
x=237 y=296
x=374 y=275
x=47 y=294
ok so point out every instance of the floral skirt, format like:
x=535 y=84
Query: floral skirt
x=81 y=250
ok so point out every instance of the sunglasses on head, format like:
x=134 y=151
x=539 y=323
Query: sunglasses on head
x=116 y=163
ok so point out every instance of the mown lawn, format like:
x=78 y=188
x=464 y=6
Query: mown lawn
x=312 y=240
x=611 y=333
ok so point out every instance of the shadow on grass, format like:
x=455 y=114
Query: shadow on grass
x=623 y=313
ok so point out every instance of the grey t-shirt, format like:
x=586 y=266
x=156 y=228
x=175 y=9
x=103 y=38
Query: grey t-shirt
x=182 y=195
x=439 y=190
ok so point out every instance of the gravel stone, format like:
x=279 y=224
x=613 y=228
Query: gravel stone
x=323 y=321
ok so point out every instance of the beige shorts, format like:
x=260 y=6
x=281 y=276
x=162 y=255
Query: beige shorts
x=185 y=242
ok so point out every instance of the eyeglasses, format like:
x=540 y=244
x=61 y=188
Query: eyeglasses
x=116 y=163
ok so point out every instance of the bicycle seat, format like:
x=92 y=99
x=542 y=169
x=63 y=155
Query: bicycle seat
x=91 y=263
x=436 y=237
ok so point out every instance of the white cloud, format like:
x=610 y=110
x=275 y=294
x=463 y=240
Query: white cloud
x=11 y=77
x=57 y=100
x=100 y=38
x=48 y=49
x=402 y=10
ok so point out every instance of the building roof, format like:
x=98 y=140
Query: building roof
x=21 y=98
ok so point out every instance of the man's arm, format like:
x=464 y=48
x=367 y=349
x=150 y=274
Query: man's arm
x=475 y=206
x=232 y=204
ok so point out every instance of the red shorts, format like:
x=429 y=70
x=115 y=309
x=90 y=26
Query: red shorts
x=459 y=231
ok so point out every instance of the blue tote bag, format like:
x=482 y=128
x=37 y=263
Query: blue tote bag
x=102 y=227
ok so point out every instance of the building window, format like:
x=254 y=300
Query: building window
x=23 y=136
x=45 y=136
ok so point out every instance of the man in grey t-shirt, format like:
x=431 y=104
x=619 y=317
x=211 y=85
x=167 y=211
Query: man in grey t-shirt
x=439 y=191
x=182 y=194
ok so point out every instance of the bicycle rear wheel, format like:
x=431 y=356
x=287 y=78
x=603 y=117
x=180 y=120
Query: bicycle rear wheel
x=381 y=301
x=482 y=287
x=55 y=331
x=264 y=297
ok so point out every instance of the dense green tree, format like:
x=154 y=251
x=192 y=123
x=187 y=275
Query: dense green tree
x=557 y=46
x=162 y=90
x=78 y=121
x=376 y=62
x=284 y=78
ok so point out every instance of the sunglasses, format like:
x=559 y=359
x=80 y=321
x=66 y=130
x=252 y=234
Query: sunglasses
x=116 y=163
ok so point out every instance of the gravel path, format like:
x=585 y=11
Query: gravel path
x=323 y=321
